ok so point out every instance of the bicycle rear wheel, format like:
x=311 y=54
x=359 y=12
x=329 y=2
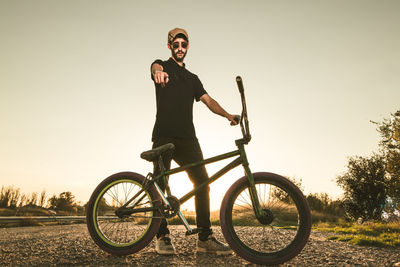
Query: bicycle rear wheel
x=276 y=237
x=127 y=234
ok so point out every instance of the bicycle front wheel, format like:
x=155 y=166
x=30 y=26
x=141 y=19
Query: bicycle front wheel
x=127 y=234
x=283 y=230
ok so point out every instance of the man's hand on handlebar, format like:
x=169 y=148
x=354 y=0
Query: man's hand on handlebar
x=234 y=119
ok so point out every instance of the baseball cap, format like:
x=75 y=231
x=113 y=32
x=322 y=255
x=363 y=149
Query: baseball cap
x=172 y=34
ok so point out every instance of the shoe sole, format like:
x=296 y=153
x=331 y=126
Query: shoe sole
x=165 y=252
x=218 y=252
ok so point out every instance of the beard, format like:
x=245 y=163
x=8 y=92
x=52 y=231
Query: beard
x=175 y=55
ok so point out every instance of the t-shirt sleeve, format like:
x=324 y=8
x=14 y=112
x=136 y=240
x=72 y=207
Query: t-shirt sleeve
x=158 y=61
x=198 y=89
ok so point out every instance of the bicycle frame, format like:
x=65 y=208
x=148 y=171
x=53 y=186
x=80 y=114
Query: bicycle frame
x=240 y=160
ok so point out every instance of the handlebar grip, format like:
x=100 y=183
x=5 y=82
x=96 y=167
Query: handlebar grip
x=237 y=119
x=240 y=84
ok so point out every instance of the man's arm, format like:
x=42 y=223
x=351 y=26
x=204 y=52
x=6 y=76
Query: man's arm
x=160 y=77
x=217 y=109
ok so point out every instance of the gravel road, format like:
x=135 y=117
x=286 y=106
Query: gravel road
x=71 y=245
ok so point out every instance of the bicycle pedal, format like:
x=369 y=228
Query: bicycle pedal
x=194 y=231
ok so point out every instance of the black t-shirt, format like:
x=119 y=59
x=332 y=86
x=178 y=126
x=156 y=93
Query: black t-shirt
x=175 y=102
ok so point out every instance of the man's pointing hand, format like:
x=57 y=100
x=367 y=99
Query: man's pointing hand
x=161 y=77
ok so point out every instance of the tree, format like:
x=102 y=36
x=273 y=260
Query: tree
x=389 y=130
x=32 y=201
x=283 y=196
x=322 y=202
x=5 y=194
x=9 y=197
x=42 y=199
x=65 y=202
x=14 y=198
x=365 y=188
x=23 y=200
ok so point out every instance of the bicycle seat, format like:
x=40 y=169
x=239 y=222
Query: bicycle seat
x=152 y=155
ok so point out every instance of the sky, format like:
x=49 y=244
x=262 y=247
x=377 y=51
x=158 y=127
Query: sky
x=77 y=103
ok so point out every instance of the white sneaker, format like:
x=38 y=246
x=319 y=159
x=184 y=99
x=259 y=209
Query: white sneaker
x=164 y=246
x=212 y=245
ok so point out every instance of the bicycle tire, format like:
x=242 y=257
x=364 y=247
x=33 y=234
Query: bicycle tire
x=269 y=242
x=122 y=236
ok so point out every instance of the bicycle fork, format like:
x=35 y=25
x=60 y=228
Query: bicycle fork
x=259 y=212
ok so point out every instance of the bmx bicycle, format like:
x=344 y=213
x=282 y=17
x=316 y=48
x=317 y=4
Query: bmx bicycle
x=264 y=217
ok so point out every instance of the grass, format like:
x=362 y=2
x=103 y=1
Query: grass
x=28 y=213
x=322 y=217
x=24 y=211
x=367 y=234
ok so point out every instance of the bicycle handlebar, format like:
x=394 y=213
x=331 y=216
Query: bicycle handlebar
x=240 y=84
x=244 y=126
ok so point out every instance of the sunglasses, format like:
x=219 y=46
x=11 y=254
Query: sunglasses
x=176 y=45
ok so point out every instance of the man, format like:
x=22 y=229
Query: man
x=176 y=90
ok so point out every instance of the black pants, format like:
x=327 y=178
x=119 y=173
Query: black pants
x=188 y=151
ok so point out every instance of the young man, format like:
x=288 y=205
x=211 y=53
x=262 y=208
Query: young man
x=176 y=90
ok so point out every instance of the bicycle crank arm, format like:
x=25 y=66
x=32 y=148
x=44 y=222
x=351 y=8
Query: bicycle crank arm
x=192 y=232
x=189 y=231
x=126 y=211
